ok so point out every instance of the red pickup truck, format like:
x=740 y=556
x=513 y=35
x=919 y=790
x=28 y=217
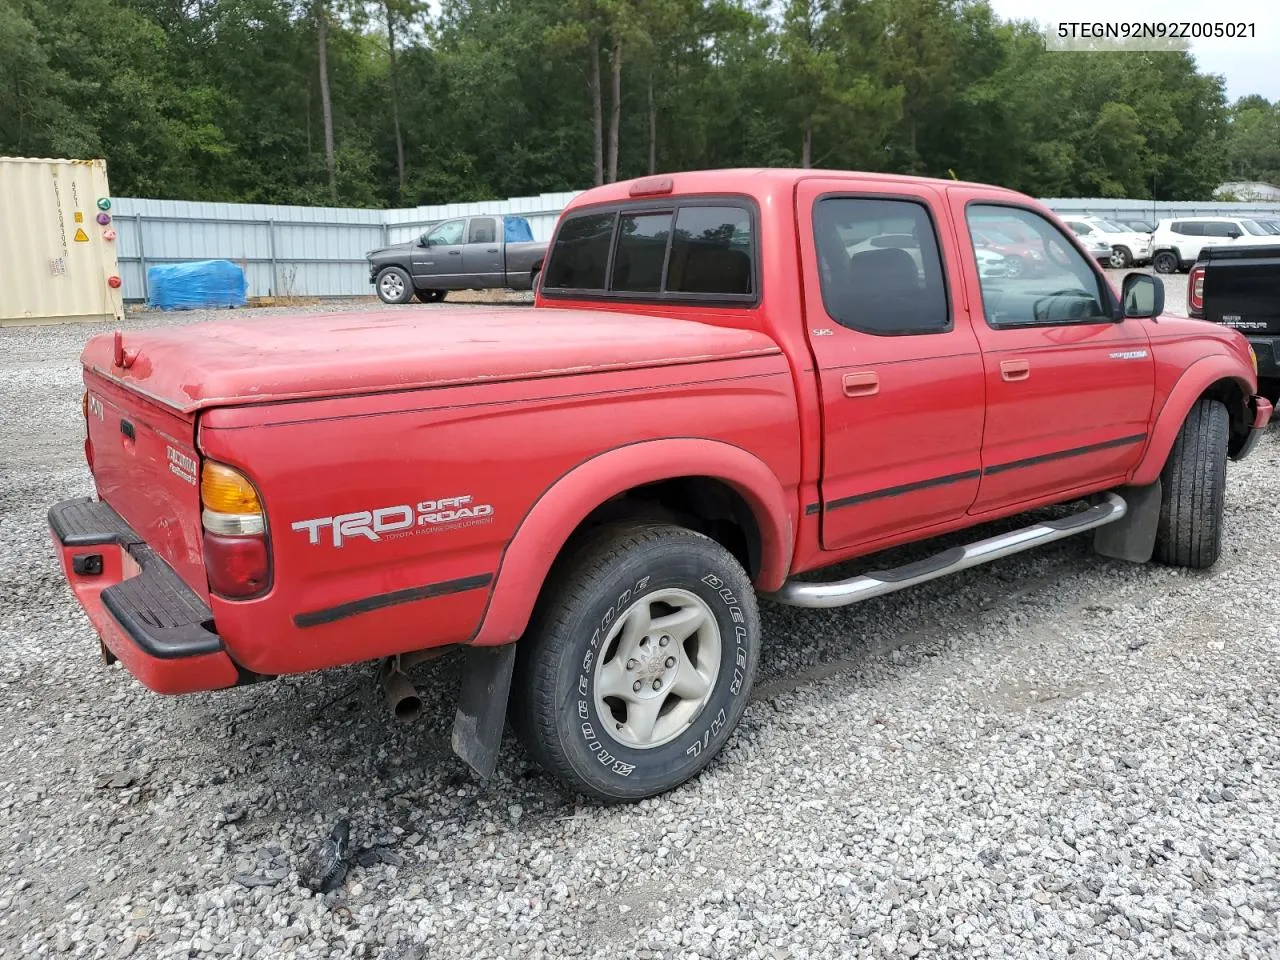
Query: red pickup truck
x=729 y=380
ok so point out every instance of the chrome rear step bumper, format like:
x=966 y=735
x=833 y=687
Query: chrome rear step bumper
x=840 y=593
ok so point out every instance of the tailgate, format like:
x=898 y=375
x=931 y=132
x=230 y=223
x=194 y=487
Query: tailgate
x=1244 y=292
x=145 y=466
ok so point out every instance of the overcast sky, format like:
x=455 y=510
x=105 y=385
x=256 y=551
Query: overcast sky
x=1249 y=66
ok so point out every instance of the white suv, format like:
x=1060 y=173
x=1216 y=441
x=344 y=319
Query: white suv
x=1127 y=246
x=1177 y=242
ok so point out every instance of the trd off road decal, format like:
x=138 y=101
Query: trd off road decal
x=398 y=522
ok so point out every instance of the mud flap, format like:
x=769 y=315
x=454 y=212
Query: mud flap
x=1132 y=538
x=482 y=706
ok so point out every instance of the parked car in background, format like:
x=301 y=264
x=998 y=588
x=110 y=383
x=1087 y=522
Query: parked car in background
x=1020 y=258
x=467 y=253
x=1127 y=247
x=990 y=263
x=1098 y=248
x=1136 y=224
x=1269 y=224
x=1239 y=287
x=1177 y=242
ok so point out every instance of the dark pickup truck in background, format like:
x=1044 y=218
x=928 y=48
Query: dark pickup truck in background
x=1239 y=287
x=466 y=253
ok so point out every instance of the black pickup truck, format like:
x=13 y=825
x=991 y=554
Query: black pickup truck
x=1240 y=287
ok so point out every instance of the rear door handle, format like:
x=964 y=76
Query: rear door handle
x=863 y=384
x=494 y=250
x=1014 y=370
x=455 y=253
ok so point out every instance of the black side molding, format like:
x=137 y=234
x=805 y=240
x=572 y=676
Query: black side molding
x=380 y=600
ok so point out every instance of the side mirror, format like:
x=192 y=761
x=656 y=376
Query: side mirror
x=1142 y=296
x=1233 y=234
x=424 y=240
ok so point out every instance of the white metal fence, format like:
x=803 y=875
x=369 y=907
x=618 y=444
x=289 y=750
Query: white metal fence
x=289 y=251
x=320 y=251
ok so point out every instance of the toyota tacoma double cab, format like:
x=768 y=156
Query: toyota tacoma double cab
x=729 y=381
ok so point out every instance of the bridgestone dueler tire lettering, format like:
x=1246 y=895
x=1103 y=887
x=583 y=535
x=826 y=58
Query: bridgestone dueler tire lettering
x=1193 y=483
x=553 y=706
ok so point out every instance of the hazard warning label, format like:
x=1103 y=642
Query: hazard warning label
x=81 y=236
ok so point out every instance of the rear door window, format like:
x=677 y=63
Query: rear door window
x=879 y=266
x=483 y=230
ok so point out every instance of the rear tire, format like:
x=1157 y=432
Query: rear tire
x=1120 y=258
x=393 y=285
x=1165 y=262
x=614 y=695
x=1193 y=488
x=429 y=296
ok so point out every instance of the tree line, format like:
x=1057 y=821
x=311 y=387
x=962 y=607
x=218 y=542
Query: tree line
x=398 y=102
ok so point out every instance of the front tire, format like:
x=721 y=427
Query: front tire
x=1120 y=258
x=638 y=662
x=393 y=285
x=1165 y=262
x=1193 y=490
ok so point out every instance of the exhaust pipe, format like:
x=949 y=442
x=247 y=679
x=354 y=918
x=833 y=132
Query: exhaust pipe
x=403 y=699
x=401 y=695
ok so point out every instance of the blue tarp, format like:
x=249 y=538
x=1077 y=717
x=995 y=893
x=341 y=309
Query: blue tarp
x=188 y=286
x=516 y=230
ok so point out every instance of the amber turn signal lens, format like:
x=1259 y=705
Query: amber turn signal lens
x=224 y=490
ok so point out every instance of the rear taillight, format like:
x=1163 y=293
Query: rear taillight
x=237 y=555
x=1195 y=290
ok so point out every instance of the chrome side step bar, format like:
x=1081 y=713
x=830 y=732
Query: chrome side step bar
x=839 y=593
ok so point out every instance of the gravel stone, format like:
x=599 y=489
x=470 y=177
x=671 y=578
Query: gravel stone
x=1052 y=756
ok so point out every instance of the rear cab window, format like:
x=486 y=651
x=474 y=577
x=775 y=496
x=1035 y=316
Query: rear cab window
x=695 y=249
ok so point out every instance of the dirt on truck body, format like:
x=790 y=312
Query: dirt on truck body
x=729 y=381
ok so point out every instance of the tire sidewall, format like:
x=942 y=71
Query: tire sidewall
x=1162 y=259
x=613 y=768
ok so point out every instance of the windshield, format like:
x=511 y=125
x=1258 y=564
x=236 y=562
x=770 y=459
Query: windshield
x=1253 y=228
x=1271 y=226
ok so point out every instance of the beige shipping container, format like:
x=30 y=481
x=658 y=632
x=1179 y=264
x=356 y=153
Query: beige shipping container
x=57 y=261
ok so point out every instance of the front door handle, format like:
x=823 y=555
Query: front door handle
x=455 y=253
x=1014 y=370
x=494 y=250
x=863 y=384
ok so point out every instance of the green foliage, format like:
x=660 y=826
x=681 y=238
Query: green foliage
x=222 y=99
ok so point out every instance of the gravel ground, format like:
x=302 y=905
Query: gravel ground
x=1051 y=756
